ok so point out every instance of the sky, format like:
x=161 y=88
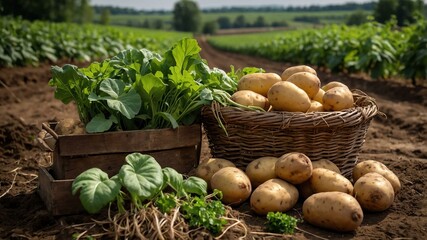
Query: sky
x=168 y=4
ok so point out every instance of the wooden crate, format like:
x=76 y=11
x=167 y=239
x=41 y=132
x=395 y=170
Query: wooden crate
x=177 y=148
x=56 y=194
x=72 y=154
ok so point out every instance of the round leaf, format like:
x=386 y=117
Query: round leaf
x=96 y=189
x=142 y=175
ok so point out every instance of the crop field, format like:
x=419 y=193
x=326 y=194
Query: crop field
x=26 y=43
x=325 y=17
x=91 y=81
x=381 y=51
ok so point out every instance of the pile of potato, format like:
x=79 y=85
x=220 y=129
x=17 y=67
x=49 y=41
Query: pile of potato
x=329 y=199
x=298 y=89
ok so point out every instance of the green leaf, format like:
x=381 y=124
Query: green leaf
x=183 y=50
x=173 y=179
x=169 y=118
x=68 y=82
x=96 y=189
x=195 y=185
x=127 y=103
x=150 y=87
x=99 y=124
x=142 y=175
x=281 y=223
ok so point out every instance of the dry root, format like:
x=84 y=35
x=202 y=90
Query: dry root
x=150 y=223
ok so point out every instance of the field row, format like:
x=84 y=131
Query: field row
x=382 y=51
x=28 y=43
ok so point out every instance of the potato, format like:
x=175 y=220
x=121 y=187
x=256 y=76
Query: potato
x=258 y=82
x=374 y=192
x=319 y=96
x=296 y=69
x=250 y=98
x=207 y=169
x=305 y=189
x=368 y=166
x=69 y=126
x=337 y=98
x=333 y=210
x=315 y=106
x=261 y=170
x=308 y=82
x=325 y=180
x=274 y=195
x=294 y=167
x=234 y=185
x=324 y=163
x=333 y=84
x=286 y=96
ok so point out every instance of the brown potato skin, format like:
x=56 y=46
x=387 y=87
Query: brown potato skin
x=294 y=167
x=325 y=163
x=69 y=126
x=258 y=82
x=234 y=185
x=286 y=96
x=207 y=169
x=296 y=69
x=315 y=106
x=319 y=96
x=308 y=82
x=374 y=192
x=325 y=180
x=274 y=195
x=333 y=210
x=368 y=166
x=337 y=99
x=333 y=84
x=250 y=98
x=261 y=169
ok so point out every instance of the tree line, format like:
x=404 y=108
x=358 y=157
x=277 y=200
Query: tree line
x=187 y=16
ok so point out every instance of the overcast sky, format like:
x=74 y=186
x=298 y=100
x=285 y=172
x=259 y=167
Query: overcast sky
x=168 y=4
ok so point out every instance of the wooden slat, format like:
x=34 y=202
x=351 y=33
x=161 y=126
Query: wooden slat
x=56 y=194
x=182 y=160
x=129 y=141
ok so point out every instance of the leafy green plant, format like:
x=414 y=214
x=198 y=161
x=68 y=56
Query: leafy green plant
x=141 y=176
x=28 y=43
x=278 y=222
x=380 y=50
x=143 y=183
x=201 y=213
x=140 y=89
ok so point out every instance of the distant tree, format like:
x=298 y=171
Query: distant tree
x=224 y=22
x=105 y=17
x=240 y=22
x=84 y=13
x=158 y=24
x=210 y=27
x=49 y=10
x=408 y=11
x=260 y=22
x=186 y=16
x=357 y=18
x=384 y=10
x=146 y=24
x=279 y=24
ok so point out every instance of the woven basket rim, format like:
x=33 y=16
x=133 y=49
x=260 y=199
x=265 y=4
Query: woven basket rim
x=365 y=109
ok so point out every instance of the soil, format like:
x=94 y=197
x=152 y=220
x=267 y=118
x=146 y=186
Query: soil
x=397 y=140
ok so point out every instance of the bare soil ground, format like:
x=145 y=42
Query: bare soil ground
x=398 y=140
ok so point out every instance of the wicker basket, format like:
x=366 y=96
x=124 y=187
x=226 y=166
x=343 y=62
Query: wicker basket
x=337 y=136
